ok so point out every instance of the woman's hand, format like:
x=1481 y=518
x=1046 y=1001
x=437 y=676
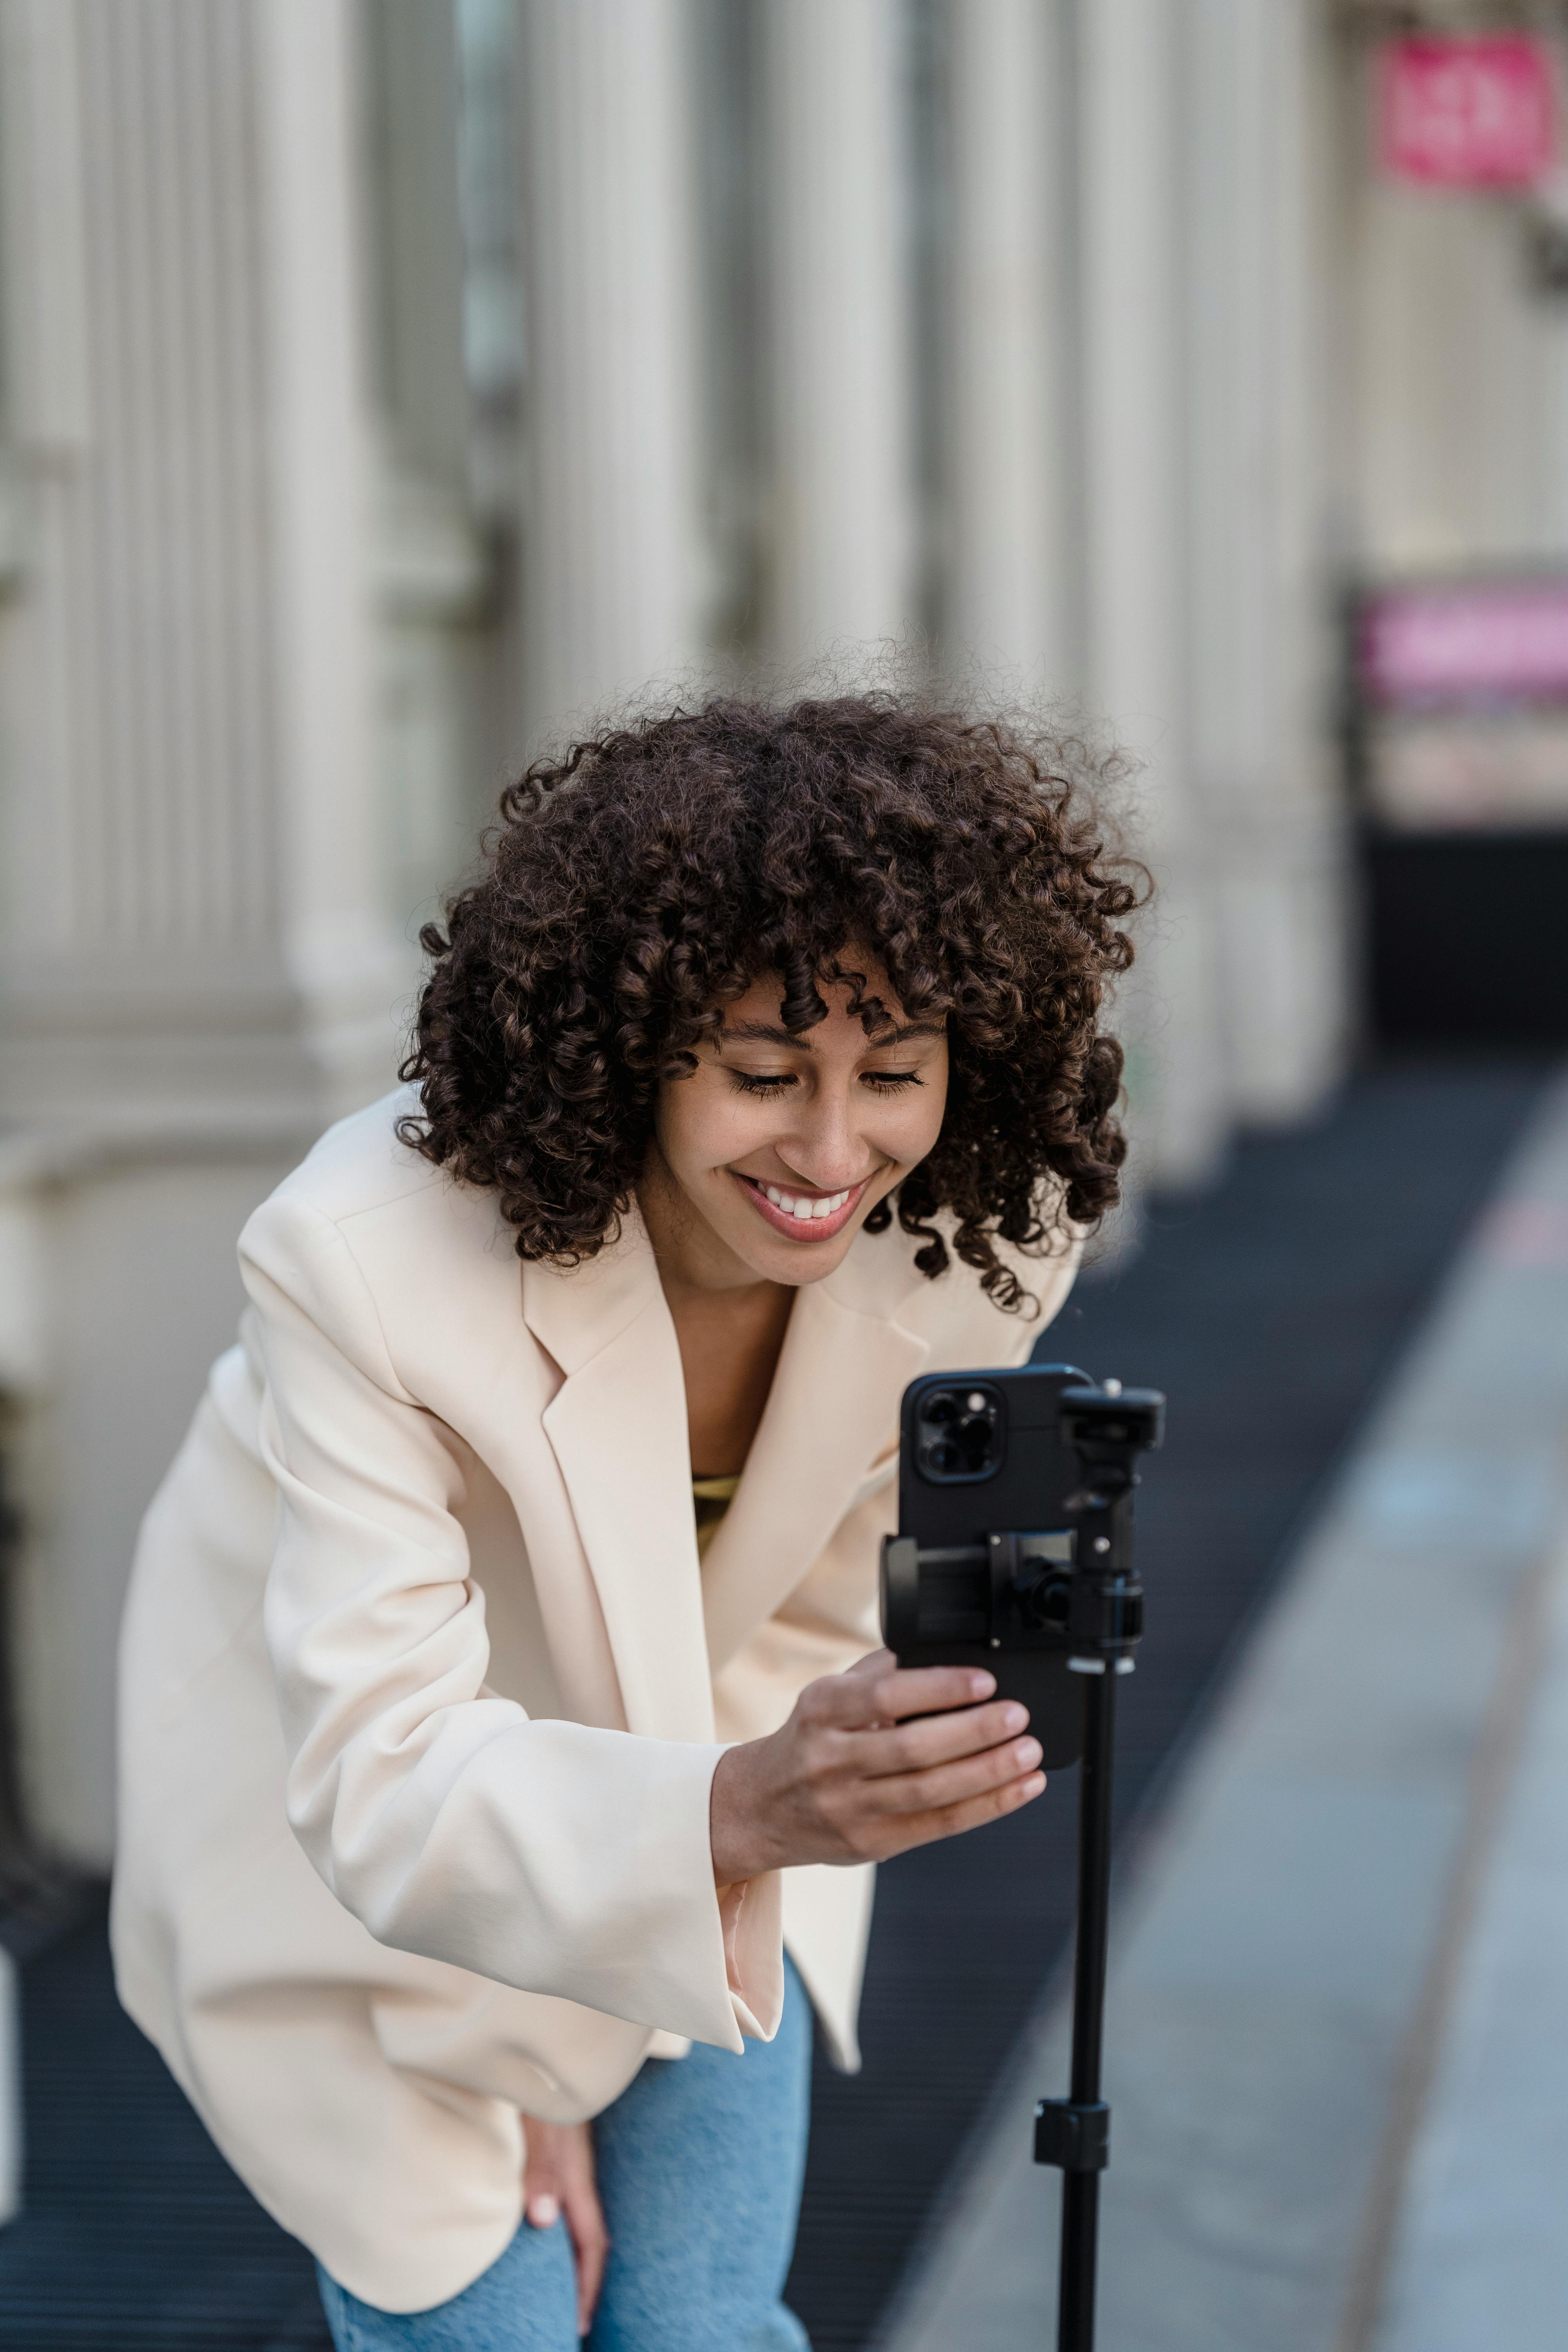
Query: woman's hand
x=558 y=2178
x=871 y=1762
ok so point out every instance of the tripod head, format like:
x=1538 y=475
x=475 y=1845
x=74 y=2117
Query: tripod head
x=1108 y=1427
x=1096 y=1602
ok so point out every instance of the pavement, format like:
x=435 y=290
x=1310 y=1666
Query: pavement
x=1337 y=2043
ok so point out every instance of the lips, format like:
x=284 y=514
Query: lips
x=802 y=1216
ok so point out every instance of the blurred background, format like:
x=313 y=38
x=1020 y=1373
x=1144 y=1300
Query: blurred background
x=391 y=386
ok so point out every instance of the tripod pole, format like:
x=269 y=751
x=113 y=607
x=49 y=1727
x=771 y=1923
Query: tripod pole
x=1080 y=2188
x=1109 y=1428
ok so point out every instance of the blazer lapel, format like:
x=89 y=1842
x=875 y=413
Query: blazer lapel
x=832 y=1407
x=617 y=1425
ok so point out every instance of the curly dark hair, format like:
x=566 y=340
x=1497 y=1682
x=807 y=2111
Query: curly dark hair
x=639 y=883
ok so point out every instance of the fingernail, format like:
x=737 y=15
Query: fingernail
x=981 y=1683
x=544 y=2212
x=1016 y=1716
x=1029 y=1752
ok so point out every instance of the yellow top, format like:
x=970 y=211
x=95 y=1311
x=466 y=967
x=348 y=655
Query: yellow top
x=711 y=1498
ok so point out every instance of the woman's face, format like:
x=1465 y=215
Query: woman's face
x=769 y=1158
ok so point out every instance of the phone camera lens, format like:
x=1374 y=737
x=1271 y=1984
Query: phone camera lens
x=974 y=1435
x=959 y=1432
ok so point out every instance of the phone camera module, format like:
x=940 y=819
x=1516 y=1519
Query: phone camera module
x=959 y=1434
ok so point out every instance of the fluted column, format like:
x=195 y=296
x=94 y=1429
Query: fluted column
x=836 y=370
x=196 y=935
x=197 y=969
x=1129 y=59
x=611 y=582
x=337 y=936
x=1008 y=341
x=1262 y=768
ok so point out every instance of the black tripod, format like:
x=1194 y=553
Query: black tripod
x=1109 y=1428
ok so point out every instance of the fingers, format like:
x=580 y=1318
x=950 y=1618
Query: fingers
x=876 y=1689
x=927 y=1740
x=947 y=1786
x=558 y=2177
x=591 y=2244
x=911 y=1830
x=540 y=2183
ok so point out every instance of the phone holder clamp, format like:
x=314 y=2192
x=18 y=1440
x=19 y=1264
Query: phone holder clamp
x=1075 y=2138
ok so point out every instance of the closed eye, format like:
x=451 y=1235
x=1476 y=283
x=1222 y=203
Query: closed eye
x=763 y=1084
x=890 y=1081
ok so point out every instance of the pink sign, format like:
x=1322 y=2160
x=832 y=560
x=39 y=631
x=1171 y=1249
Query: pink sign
x=1507 y=643
x=1467 y=110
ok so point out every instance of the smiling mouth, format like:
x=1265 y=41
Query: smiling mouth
x=804 y=1217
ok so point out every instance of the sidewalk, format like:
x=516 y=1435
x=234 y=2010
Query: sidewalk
x=1338 y=2025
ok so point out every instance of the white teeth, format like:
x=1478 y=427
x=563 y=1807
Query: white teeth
x=828 y=1205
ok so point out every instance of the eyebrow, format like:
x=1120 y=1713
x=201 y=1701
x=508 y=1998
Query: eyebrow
x=765 y=1032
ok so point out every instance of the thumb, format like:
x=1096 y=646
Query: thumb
x=541 y=2177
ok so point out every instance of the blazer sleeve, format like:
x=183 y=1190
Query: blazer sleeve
x=556 y=1857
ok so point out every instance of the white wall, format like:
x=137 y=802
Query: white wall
x=133 y=1266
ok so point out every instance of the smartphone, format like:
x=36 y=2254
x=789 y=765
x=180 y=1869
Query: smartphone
x=983 y=1477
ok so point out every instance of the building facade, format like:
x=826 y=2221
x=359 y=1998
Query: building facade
x=389 y=387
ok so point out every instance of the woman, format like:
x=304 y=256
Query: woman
x=500 y=1702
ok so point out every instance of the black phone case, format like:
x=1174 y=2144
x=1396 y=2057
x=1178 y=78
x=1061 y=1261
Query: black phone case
x=1026 y=1494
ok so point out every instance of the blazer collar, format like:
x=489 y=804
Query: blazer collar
x=618 y=1428
x=577 y=1311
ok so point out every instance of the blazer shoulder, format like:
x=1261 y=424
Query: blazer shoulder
x=361 y=1164
x=382 y=1250
x=362 y=1195
x=957 y=1318
x=965 y=1325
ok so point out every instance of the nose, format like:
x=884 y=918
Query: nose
x=824 y=1146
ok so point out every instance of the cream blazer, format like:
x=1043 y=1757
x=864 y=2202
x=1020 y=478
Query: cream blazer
x=423 y=1687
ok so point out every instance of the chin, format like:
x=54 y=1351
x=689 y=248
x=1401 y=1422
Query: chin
x=803 y=1264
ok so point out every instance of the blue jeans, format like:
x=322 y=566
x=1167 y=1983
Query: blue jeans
x=700 y=2163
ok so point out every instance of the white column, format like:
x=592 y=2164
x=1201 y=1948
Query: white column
x=337 y=938
x=196 y=970
x=1262 y=768
x=1130 y=61
x=611 y=588
x=1008 y=339
x=195 y=935
x=836 y=378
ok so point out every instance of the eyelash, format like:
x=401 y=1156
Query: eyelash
x=882 y=1082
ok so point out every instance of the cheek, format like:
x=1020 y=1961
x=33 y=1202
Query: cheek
x=702 y=1125
x=909 y=1125
x=931 y=1109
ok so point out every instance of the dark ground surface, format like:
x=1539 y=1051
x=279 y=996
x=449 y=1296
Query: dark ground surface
x=1270 y=1310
